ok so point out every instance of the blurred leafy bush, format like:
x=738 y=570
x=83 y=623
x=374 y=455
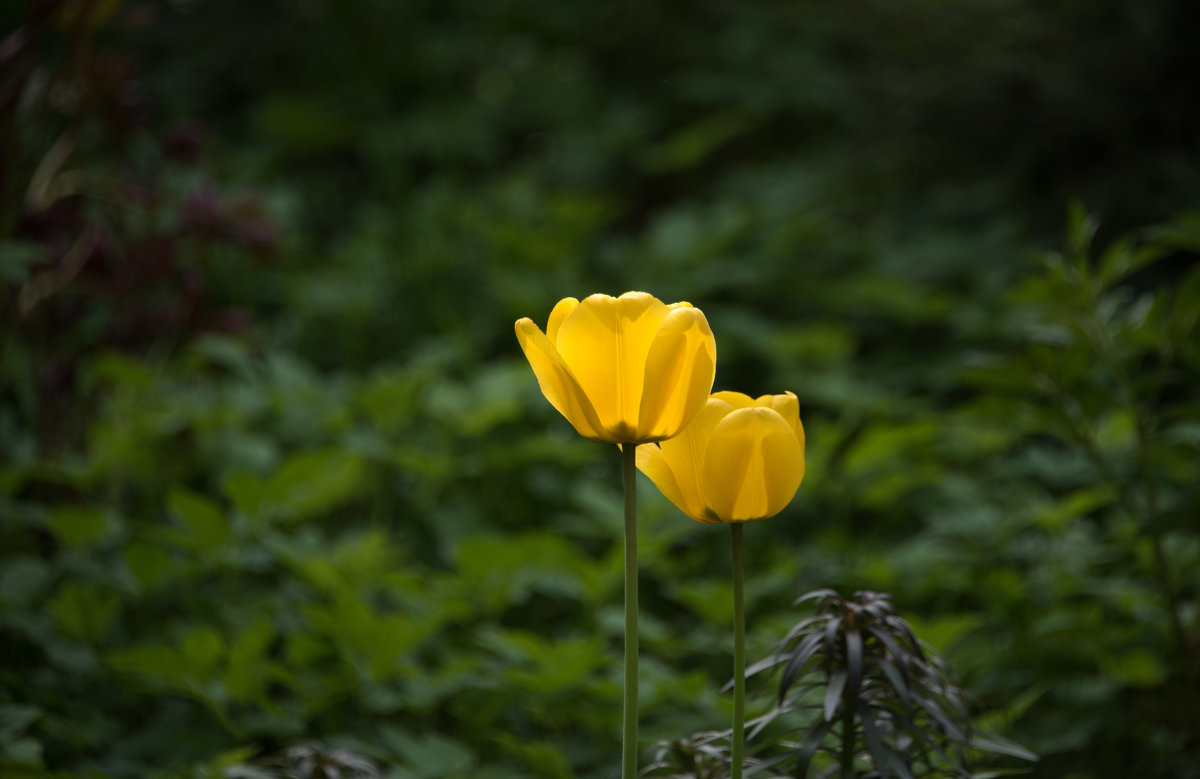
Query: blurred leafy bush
x=273 y=471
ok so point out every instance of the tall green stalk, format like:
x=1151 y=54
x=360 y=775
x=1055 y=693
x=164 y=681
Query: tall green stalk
x=739 y=655
x=629 y=739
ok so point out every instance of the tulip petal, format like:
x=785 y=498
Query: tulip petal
x=557 y=382
x=684 y=456
x=786 y=404
x=604 y=341
x=680 y=368
x=561 y=311
x=735 y=399
x=753 y=465
x=652 y=462
x=788 y=407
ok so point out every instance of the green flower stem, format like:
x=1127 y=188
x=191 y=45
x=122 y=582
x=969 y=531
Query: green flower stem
x=629 y=740
x=739 y=655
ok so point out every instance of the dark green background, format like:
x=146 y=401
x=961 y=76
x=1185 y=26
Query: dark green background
x=275 y=470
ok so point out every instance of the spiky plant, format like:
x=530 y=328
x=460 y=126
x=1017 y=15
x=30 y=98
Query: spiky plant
x=859 y=697
x=306 y=761
x=883 y=702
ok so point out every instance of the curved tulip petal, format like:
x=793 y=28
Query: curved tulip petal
x=684 y=456
x=561 y=311
x=788 y=407
x=604 y=341
x=753 y=465
x=735 y=399
x=652 y=462
x=557 y=382
x=680 y=368
x=786 y=404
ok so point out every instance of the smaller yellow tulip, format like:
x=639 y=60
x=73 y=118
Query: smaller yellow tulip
x=740 y=459
x=626 y=370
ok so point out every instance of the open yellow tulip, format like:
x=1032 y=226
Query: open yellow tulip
x=740 y=459
x=629 y=370
x=626 y=370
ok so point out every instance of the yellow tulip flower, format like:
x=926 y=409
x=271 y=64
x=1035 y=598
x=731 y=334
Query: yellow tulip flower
x=740 y=459
x=626 y=370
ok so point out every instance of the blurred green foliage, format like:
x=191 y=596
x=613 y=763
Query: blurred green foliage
x=274 y=471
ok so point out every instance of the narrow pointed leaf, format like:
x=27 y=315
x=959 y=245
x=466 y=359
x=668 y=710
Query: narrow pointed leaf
x=818 y=594
x=1002 y=746
x=894 y=677
x=799 y=659
x=809 y=748
x=949 y=726
x=887 y=762
x=833 y=692
x=854 y=659
x=766 y=663
x=802 y=626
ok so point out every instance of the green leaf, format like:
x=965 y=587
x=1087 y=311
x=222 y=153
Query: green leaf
x=79 y=526
x=248 y=658
x=690 y=146
x=1123 y=258
x=201 y=650
x=312 y=483
x=205 y=522
x=379 y=644
x=491 y=397
x=83 y=613
x=230 y=353
x=1116 y=432
x=429 y=756
x=891 y=445
x=504 y=571
x=1081 y=228
x=1136 y=668
x=150 y=565
x=1076 y=505
x=156 y=661
x=245 y=491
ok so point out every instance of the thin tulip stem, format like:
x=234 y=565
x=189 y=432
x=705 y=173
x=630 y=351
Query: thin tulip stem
x=739 y=655
x=629 y=740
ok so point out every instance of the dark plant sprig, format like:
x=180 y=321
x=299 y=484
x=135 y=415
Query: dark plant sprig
x=858 y=687
x=306 y=761
x=708 y=755
x=883 y=698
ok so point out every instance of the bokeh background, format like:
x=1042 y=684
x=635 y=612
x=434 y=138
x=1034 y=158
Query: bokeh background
x=274 y=470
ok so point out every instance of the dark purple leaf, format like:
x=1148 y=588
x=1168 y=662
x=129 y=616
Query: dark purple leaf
x=854 y=659
x=818 y=594
x=1002 y=746
x=799 y=659
x=886 y=761
x=833 y=692
x=809 y=748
